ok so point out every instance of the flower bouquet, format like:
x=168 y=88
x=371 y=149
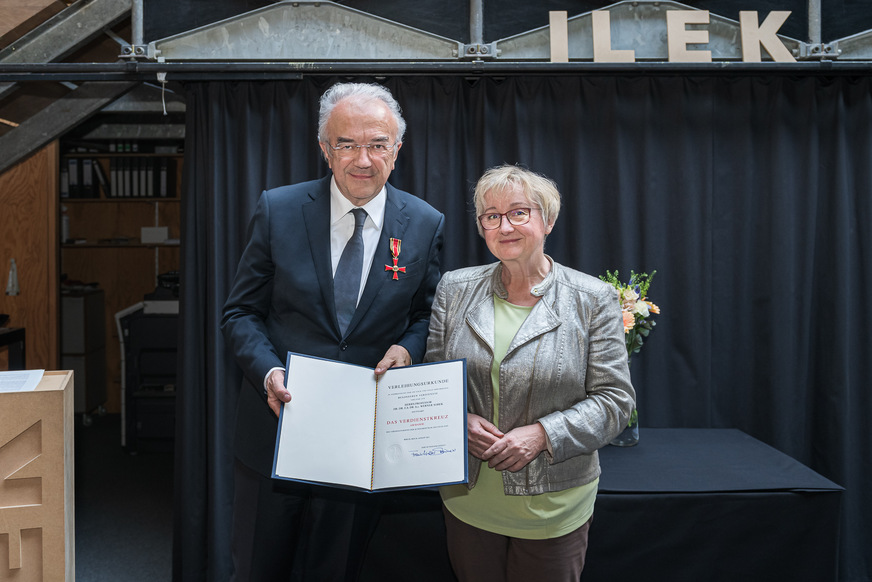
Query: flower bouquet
x=636 y=310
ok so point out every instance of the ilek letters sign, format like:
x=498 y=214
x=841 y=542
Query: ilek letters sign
x=685 y=34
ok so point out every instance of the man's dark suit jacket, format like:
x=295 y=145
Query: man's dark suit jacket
x=282 y=297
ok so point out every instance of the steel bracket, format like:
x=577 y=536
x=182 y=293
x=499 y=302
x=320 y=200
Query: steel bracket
x=479 y=51
x=817 y=51
x=134 y=51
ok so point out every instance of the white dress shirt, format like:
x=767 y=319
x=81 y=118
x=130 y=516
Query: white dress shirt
x=342 y=227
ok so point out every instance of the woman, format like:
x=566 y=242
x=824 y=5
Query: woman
x=548 y=384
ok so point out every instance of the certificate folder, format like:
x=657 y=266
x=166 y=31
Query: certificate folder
x=343 y=428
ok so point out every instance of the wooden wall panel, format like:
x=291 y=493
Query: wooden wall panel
x=108 y=219
x=29 y=234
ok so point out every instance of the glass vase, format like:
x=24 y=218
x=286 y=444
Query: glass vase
x=630 y=435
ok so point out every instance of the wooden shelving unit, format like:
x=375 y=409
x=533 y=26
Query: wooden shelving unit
x=104 y=246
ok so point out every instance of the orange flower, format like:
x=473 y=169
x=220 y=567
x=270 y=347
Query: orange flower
x=629 y=321
x=653 y=308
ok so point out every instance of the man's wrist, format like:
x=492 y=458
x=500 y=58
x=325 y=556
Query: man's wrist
x=408 y=353
x=266 y=378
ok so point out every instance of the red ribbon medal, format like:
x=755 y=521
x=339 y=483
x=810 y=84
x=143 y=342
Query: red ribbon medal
x=395 y=251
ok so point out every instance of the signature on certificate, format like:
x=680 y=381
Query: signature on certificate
x=432 y=451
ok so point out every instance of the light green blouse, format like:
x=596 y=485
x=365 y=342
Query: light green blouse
x=486 y=506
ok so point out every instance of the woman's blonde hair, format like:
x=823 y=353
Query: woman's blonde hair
x=539 y=190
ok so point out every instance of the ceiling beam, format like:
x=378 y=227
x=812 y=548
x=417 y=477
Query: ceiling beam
x=56 y=119
x=63 y=33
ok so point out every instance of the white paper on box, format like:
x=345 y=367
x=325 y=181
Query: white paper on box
x=20 y=380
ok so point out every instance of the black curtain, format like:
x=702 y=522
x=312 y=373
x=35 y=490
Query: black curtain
x=750 y=195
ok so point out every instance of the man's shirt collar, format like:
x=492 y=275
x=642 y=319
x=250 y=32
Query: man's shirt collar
x=340 y=205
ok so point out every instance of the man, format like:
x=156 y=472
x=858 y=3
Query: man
x=295 y=290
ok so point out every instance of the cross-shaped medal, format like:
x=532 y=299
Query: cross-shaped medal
x=395 y=251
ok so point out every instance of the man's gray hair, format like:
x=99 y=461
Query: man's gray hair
x=362 y=91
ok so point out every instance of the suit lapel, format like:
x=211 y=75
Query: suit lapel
x=395 y=223
x=316 y=214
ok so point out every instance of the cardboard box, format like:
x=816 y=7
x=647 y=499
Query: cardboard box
x=37 y=509
x=154 y=234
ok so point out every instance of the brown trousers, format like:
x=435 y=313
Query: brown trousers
x=481 y=555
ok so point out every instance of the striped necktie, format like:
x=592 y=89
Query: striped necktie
x=346 y=280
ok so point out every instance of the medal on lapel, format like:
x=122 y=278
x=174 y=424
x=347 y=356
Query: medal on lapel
x=395 y=251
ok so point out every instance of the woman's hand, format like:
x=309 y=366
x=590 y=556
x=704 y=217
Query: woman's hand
x=481 y=435
x=516 y=449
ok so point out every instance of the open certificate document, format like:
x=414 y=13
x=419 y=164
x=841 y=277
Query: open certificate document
x=343 y=428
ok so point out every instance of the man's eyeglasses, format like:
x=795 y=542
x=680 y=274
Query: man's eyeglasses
x=516 y=217
x=351 y=150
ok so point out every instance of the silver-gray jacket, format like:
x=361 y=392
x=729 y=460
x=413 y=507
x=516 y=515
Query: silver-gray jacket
x=566 y=368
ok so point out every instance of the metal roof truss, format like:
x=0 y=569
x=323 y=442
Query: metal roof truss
x=296 y=31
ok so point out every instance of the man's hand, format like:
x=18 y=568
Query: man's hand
x=276 y=395
x=481 y=435
x=517 y=448
x=395 y=357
